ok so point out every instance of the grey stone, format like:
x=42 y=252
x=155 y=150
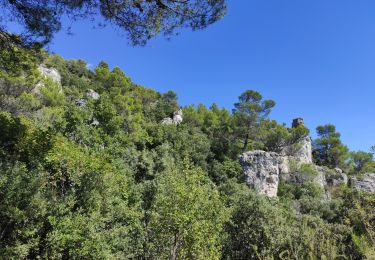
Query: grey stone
x=301 y=151
x=51 y=73
x=261 y=171
x=94 y=122
x=299 y=176
x=364 y=182
x=176 y=120
x=81 y=102
x=336 y=177
x=320 y=178
x=167 y=121
x=90 y=93
x=177 y=117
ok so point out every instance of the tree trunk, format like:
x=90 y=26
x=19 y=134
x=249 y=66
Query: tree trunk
x=246 y=141
x=173 y=252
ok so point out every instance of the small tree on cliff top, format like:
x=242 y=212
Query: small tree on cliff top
x=249 y=112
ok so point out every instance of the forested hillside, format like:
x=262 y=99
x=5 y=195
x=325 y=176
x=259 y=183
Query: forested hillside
x=94 y=166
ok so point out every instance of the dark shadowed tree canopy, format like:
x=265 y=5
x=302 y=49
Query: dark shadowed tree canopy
x=140 y=19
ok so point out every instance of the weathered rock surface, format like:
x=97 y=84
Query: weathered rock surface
x=81 y=102
x=294 y=164
x=262 y=171
x=90 y=93
x=167 y=121
x=94 y=122
x=51 y=73
x=336 y=177
x=363 y=182
x=320 y=178
x=176 y=120
x=177 y=117
x=301 y=152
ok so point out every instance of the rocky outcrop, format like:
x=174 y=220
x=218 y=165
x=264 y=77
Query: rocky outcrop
x=90 y=93
x=81 y=102
x=262 y=170
x=94 y=122
x=364 y=182
x=167 y=121
x=47 y=73
x=301 y=151
x=51 y=73
x=306 y=173
x=336 y=177
x=176 y=120
x=177 y=117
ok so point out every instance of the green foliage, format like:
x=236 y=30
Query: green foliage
x=187 y=216
x=362 y=162
x=22 y=210
x=106 y=180
x=258 y=228
x=142 y=20
x=328 y=148
x=249 y=112
x=297 y=191
x=275 y=137
x=52 y=94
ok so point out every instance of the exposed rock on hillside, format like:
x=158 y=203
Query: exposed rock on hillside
x=262 y=171
x=336 y=177
x=294 y=164
x=177 y=118
x=301 y=152
x=51 y=73
x=47 y=73
x=364 y=182
x=306 y=173
x=90 y=93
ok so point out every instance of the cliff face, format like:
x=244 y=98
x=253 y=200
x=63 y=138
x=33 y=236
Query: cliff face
x=302 y=152
x=365 y=182
x=263 y=170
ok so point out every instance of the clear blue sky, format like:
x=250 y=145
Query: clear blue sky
x=316 y=59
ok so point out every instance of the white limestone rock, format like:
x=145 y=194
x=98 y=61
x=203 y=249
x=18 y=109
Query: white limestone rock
x=167 y=121
x=294 y=164
x=176 y=120
x=320 y=178
x=47 y=73
x=177 y=117
x=51 y=73
x=261 y=171
x=301 y=151
x=94 y=122
x=90 y=93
